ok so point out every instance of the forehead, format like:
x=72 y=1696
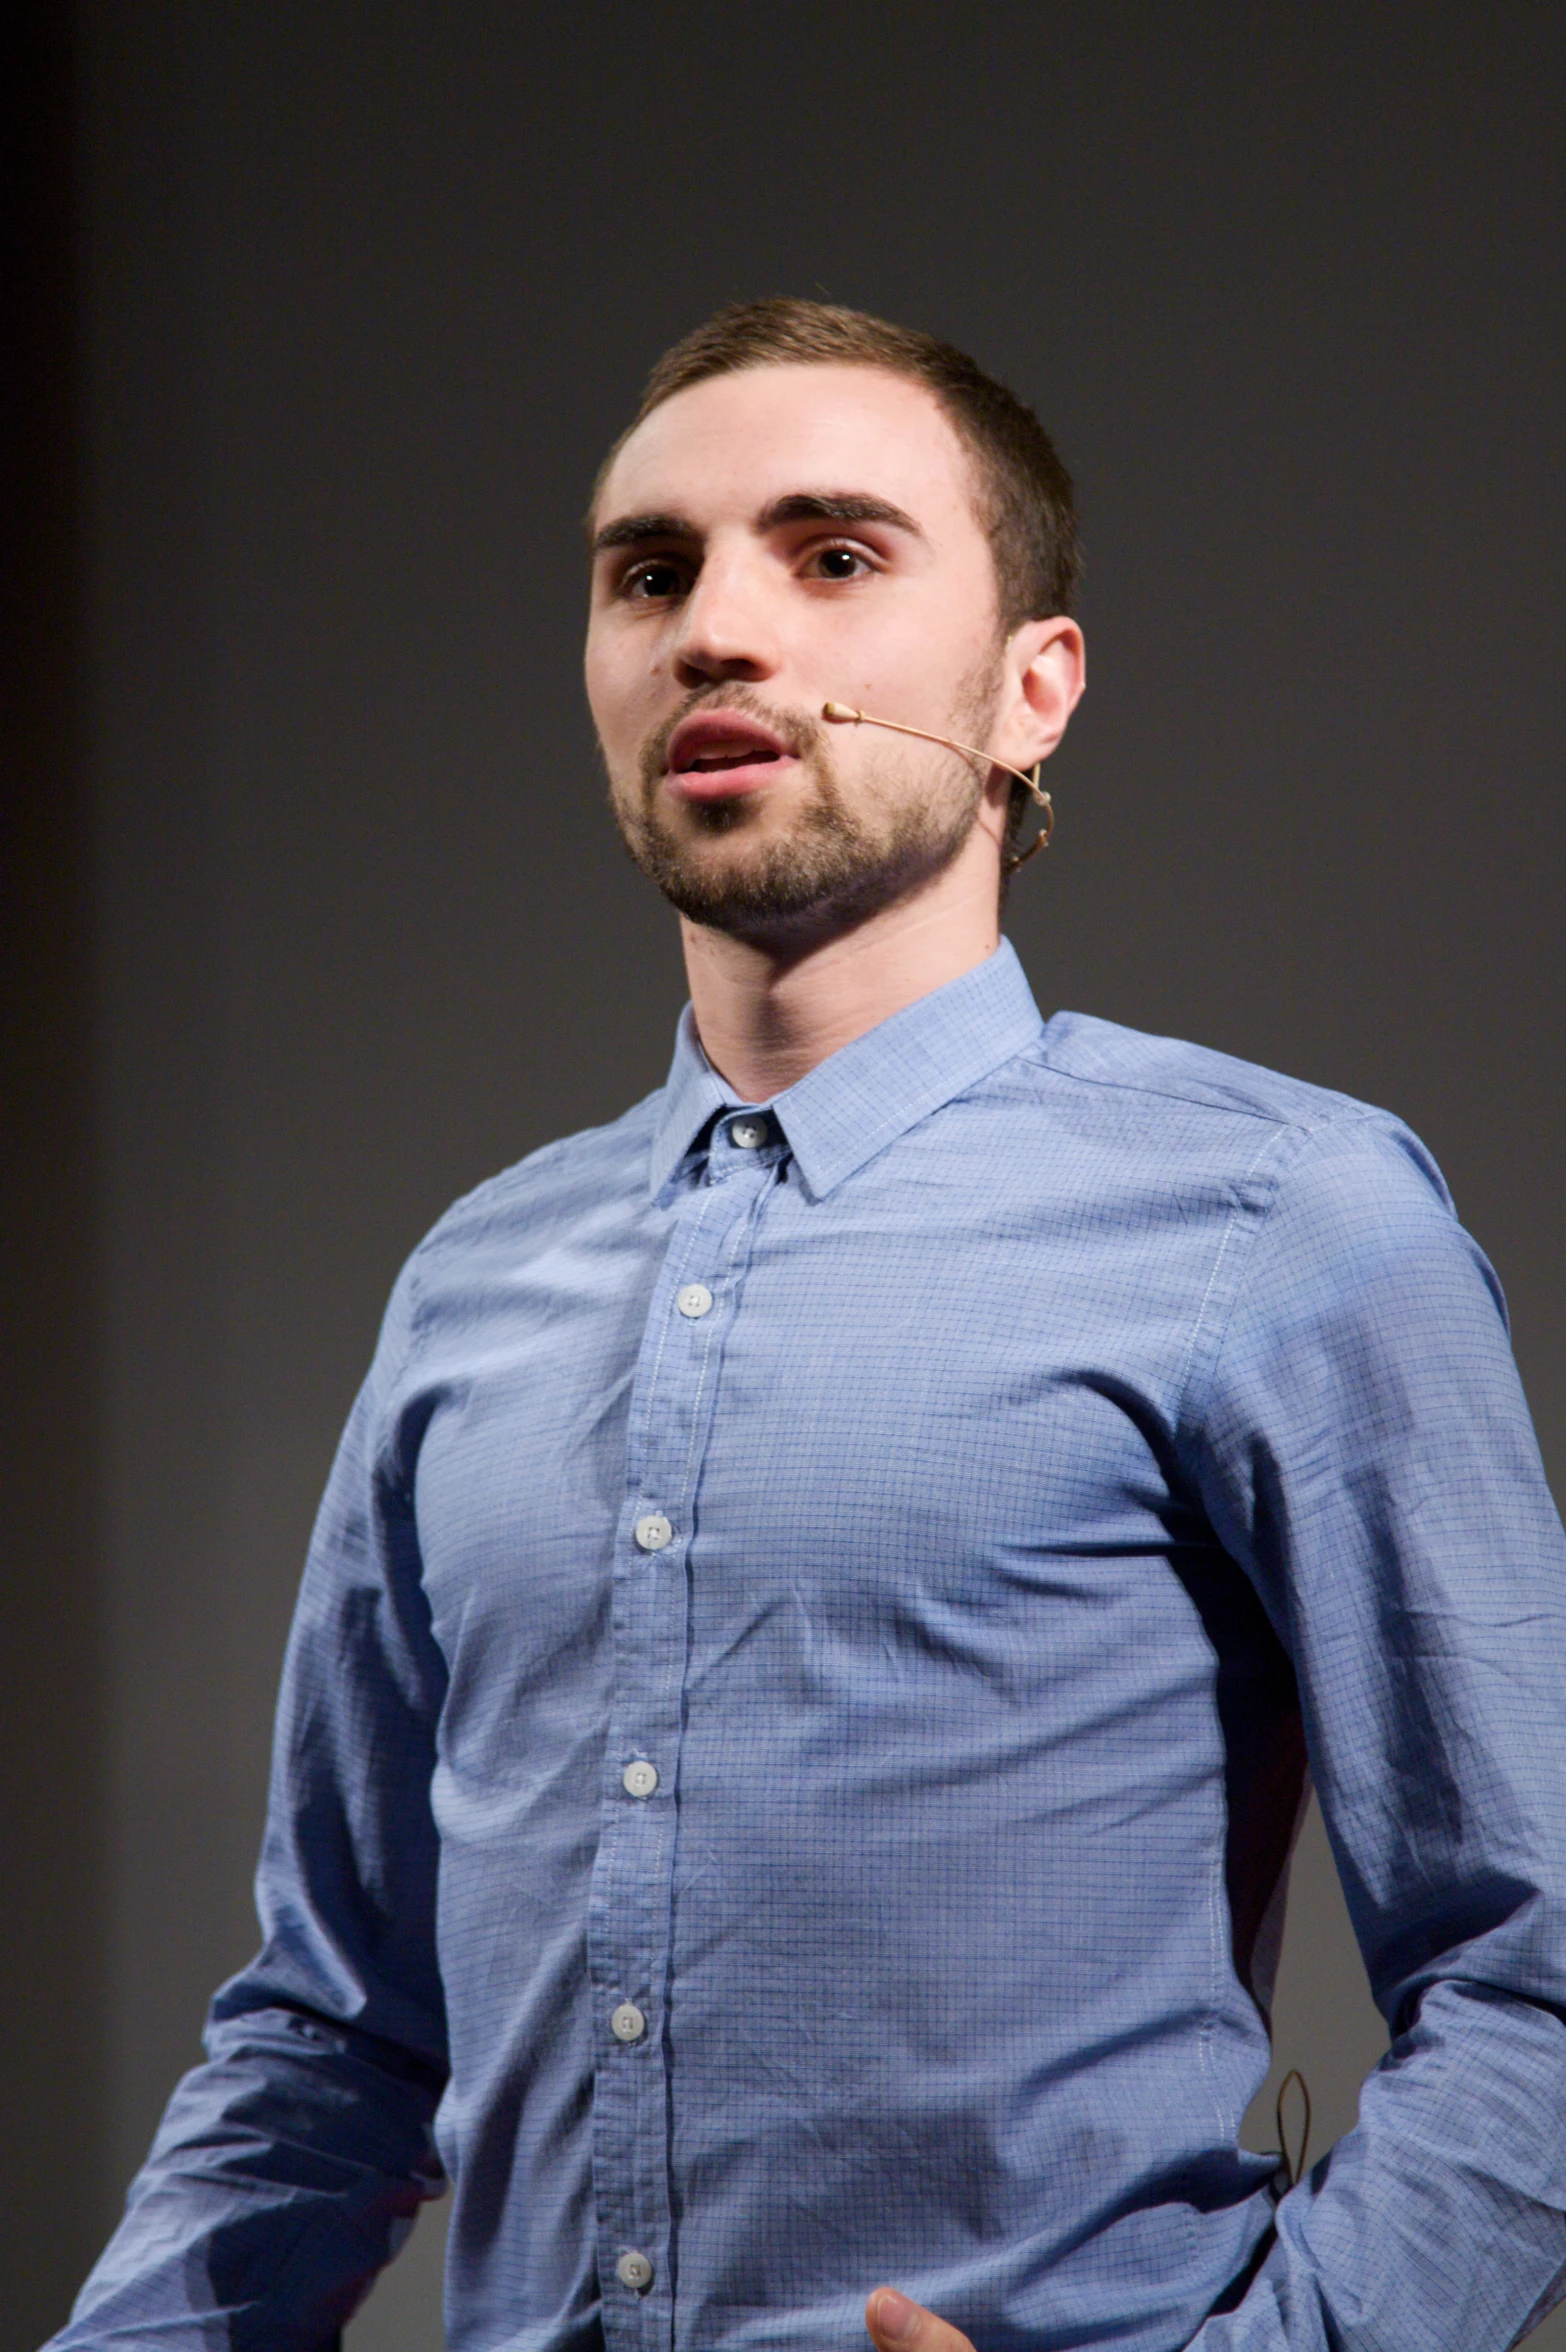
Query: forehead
x=730 y=445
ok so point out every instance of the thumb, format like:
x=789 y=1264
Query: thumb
x=897 y=2325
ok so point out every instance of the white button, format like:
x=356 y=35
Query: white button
x=695 y=1299
x=653 y=1532
x=749 y=1134
x=628 y=2024
x=639 y=1779
x=634 y=2270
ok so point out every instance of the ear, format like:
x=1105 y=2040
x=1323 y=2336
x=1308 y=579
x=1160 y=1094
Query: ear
x=1046 y=673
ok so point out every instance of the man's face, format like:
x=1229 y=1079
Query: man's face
x=767 y=542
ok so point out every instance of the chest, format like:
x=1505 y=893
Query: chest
x=903 y=1401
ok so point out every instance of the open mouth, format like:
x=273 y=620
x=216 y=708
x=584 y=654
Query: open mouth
x=718 y=754
x=716 y=763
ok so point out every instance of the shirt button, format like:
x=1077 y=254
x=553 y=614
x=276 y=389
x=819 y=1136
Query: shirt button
x=749 y=1134
x=639 y=1779
x=695 y=1299
x=628 y=2024
x=634 y=2270
x=653 y=1532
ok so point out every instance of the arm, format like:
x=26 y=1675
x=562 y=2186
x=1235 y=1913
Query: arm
x=288 y=2167
x=1365 y=1452
x=1360 y=1439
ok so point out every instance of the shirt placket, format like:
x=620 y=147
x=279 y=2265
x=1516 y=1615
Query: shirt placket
x=672 y=1403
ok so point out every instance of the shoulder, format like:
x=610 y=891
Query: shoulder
x=1289 y=1152
x=524 y=1211
x=1169 y=1083
x=559 y=1182
x=1172 y=1070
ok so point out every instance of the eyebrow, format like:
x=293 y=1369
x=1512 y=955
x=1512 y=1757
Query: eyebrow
x=836 y=506
x=800 y=506
x=632 y=530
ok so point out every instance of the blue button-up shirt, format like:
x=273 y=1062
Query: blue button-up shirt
x=797 y=1715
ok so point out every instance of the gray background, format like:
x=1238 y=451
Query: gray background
x=330 y=310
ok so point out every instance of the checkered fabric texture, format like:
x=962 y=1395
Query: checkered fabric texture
x=797 y=1714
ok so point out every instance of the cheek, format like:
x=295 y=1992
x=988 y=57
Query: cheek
x=616 y=694
x=924 y=668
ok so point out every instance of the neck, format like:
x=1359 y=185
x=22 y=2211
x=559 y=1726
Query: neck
x=767 y=1013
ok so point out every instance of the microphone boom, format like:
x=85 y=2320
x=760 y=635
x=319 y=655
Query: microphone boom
x=844 y=714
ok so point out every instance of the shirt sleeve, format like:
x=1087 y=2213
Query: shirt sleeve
x=1365 y=1453
x=289 y=2166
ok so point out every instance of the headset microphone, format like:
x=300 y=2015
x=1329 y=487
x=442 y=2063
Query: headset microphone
x=844 y=714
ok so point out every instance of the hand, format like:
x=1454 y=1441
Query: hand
x=896 y=2325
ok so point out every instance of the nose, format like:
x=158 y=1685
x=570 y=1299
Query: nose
x=726 y=627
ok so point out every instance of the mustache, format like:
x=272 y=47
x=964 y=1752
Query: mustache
x=805 y=738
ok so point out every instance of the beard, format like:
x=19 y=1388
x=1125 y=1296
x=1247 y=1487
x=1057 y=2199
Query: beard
x=838 y=863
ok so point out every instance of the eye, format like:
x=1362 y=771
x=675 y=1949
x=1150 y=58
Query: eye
x=653 y=580
x=840 y=563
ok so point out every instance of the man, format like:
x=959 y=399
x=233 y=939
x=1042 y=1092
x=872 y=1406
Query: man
x=800 y=1698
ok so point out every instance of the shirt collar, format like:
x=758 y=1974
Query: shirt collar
x=867 y=1094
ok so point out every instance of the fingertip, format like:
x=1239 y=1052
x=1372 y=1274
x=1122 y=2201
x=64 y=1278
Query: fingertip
x=891 y=2317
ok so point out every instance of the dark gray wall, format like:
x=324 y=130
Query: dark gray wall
x=53 y=1733
x=364 y=292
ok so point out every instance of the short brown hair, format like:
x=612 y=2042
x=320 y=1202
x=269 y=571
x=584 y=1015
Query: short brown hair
x=1024 y=492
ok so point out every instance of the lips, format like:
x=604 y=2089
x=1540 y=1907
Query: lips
x=715 y=755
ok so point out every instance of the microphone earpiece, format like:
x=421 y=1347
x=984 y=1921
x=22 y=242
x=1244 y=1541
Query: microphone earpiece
x=844 y=714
